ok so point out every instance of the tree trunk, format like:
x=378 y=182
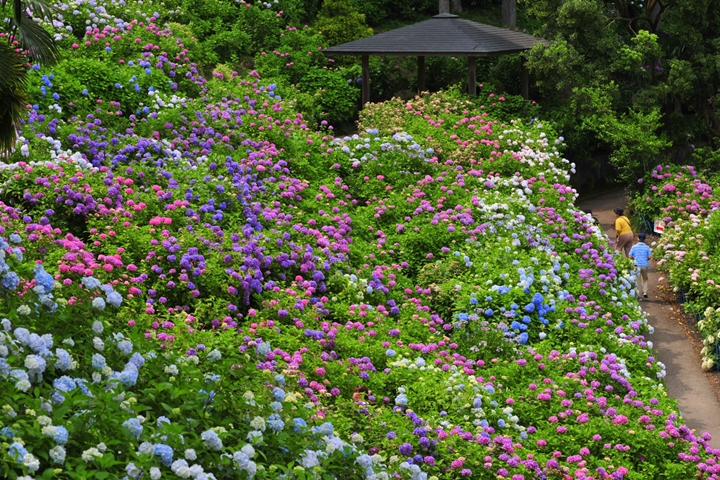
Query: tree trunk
x=654 y=11
x=456 y=6
x=509 y=14
x=444 y=6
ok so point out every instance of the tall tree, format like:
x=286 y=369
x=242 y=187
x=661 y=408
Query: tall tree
x=509 y=12
x=340 y=22
x=35 y=44
x=608 y=67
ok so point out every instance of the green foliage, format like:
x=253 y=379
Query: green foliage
x=228 y=31
x=13 y=96
x=296 y=53
x=20 y=29
x=379 y=12
x=336 y=98
x=634 y=137
x=654 y=66
x=296 y=12
x=323 y=91
x=340 y=22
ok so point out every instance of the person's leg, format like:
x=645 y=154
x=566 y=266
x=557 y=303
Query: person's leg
x=638 y=283
x=629 y=243
x=625 y=243
x=644 y=276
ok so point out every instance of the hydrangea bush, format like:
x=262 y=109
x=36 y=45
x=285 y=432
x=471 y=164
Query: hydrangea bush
x=687 y=251
x=201 y=286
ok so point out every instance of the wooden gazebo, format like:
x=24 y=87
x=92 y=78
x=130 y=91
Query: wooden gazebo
x=442 y=35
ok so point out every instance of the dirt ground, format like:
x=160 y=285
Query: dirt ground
x=675 y=339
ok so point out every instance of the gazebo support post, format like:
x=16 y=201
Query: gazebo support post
x=365 y=79
x=472 y=76
x=421 y=74
x=524 y=82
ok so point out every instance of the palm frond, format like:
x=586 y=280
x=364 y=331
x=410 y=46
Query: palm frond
x=17 y=10
x=11 y=66
x=35 y=40
x=40 y=8
x=13 y=96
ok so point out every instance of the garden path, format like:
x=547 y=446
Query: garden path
x=674 y=343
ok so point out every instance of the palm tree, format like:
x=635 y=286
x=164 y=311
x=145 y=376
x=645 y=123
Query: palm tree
x=35 y=44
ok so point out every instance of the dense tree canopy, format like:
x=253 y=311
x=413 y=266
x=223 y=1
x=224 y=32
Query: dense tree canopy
x=629 y=77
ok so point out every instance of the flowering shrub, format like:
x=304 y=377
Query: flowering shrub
x=687 y=252
x=670 y=192
x=210 y=289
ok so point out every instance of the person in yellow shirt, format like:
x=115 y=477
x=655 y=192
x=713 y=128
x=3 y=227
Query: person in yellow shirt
x=623 y=232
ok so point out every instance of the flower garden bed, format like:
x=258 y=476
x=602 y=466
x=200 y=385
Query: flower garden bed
x=207 y=288
x=687 y=251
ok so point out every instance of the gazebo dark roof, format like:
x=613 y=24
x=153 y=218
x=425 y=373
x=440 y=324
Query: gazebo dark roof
x=442 y=35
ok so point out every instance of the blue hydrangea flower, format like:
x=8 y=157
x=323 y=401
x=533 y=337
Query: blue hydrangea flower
x=15 y=238
x=98 y=303
x=263 y=349
x=10 y=281
x=17 y=451
x=125 y=347
x=300 y=424
x=241 y=459
x=35 y=364
x=165 y=452
x=278 y=394
x=114 y=299
x=61 y=435
x=134 y=425
x=64 y=384
x=211 y=439
x=275 y=422
x=57 y=454
x=44 y=279
x=23 y=335
x=128 y=377
x=326 y=428
x=364 y=461
x=98 y=361
x=37 y=343
x=91 y=283
x=137 y=360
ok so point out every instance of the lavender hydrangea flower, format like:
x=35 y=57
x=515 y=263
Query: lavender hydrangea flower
x=212 y=440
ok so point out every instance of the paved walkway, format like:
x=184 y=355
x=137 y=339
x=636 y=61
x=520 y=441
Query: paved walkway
x=685 y=380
